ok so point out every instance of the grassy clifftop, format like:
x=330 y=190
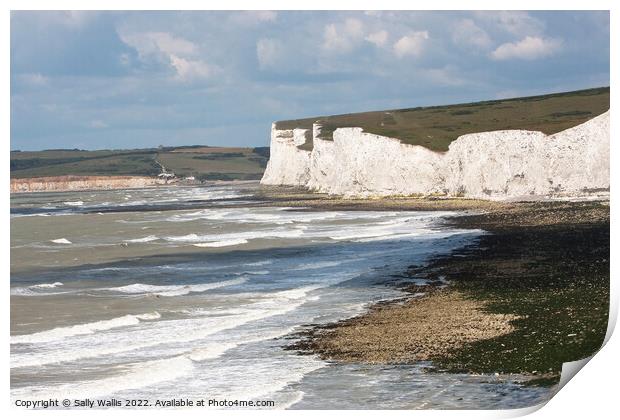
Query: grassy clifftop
x=201 y=162
x=436 y=127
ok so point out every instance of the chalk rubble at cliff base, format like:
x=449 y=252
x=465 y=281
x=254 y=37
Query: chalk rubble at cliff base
x=573 y=163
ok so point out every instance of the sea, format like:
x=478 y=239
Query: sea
x=194 y=293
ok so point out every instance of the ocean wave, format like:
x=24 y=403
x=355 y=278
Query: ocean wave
x=317 y=265
x=219 y=196
x=238 y=236
x=382 y=230
x=271 y=376
x=174 y=290
x=257 y=273
x=219 y=244
x=213 y=351
x=293 y=398
x=138 y=375
x=259 y=263
x=36 y=289
x=146 y=374
x=184 y=238
x=391 y=237
x=47 y=285
x=14 y=215
x=351 y=234
x=150 y=238
x=249 y=215
x=82 y=329
x=163 y=333
x=61 y=241
x=74 y=203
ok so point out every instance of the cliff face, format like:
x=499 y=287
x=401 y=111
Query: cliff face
x=291 y=166
x=491 y=165
x=81 y=183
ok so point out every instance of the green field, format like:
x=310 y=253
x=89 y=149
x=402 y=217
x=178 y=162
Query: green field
x=201 y=162
x=436 y=127
x=217 y=163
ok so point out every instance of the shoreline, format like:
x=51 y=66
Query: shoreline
x=74 y=183
x=531 y=294
x=552 y=257
x=71 y=183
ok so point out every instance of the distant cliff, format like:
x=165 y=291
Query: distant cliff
x=79 y=183
x=492 y=165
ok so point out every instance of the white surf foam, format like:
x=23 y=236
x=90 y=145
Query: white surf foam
x=146 y=374
x=160 y=334
x=259 y=263
x=174 y=290
x=393 y=236
x=269 y=376
x=47 y=285
x=61 y=241
x=213 y=351
x=74 y=203
x=81 y=329
x=34 y=290
x=138 y=375
x=291 y=399
x=13 y=215
x=220 y=244
x=287 y=215
x=150 y=238
x=184 y=238
x=238 y=236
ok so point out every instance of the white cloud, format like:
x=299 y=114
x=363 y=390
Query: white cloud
x=354 y=27
x=529 y=48
x=378 y=38
x=411 y=44
x=515 y=22
x=189 y=70
x=331 y=38
x=343 y=37
x=268 y=51
x=178 y=52
x=148 y=43
x=171 y=44
x=467 y=33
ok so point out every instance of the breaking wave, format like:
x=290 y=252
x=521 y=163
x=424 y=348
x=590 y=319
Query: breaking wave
x=83 y=329
x=174 y=290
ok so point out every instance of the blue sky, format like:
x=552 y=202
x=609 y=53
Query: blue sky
x=95 y=80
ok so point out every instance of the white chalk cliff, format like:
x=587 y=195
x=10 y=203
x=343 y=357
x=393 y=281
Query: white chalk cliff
x=491 y=165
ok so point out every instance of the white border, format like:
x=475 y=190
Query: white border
x=592 y=394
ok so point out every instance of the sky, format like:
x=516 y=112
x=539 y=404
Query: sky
x=105 y=80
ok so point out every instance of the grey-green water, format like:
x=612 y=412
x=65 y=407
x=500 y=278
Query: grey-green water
x=193 y=292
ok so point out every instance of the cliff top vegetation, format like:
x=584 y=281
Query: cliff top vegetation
x=435 y=127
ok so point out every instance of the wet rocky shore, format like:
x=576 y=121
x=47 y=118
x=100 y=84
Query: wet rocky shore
x=531 y=294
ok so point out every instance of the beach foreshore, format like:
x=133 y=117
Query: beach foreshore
x=529 y=295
